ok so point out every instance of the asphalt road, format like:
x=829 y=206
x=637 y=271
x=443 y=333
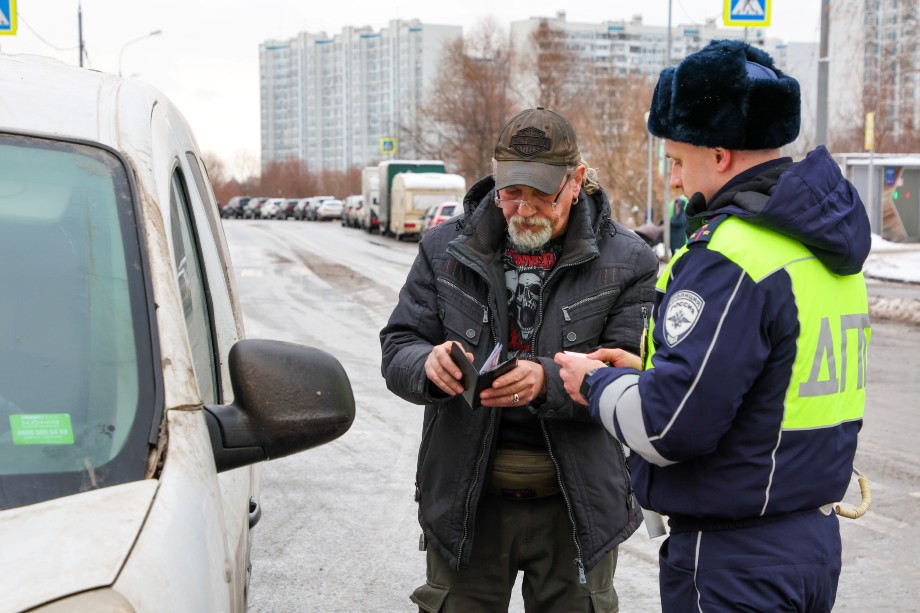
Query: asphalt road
x=339 y=530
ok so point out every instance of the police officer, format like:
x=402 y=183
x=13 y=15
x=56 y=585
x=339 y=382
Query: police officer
x=743 y=423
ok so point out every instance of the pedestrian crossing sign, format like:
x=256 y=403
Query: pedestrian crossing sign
x=387 y=146
x=747 y=13
x=7 y=17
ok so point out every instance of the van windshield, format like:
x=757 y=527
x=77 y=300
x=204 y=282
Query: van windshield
x=76 y=383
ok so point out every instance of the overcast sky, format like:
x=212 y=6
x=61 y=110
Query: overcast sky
x=207 y=57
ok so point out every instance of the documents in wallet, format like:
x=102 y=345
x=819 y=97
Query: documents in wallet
x=474 y=381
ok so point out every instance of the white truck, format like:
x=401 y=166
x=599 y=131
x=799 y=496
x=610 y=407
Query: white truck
x=370 y=181
x=387 y=171
x=411 y=195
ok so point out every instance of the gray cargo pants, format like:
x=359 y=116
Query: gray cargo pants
x=534 y=536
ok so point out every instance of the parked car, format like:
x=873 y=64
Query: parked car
x=329 y=209
x=438 y=214
x=134 y=414
x=234 y=207
x=300 y=209
x=271 y=209
x=352 y=210
x=253 y=208
x=287 y=208
x=313 y=205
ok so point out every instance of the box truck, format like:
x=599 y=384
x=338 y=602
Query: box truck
x=413 y=192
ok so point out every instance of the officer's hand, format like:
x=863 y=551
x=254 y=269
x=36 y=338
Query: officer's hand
x=616 y=357
x=573 y=372
x=442 y=371
x=525 y=382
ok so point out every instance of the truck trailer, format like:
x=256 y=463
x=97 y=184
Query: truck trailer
x=411 y=195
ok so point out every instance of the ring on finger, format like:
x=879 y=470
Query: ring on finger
x=515 y=398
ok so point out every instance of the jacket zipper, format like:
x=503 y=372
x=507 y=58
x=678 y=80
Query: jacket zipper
x=469 y=493
x=643 y=338
x=579 y=559
x=565 y=309
x=482 y=454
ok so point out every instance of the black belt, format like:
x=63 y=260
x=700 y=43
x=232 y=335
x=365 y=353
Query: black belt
x=678 y=524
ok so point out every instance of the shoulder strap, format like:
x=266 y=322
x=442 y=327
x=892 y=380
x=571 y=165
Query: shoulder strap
x=705 y=232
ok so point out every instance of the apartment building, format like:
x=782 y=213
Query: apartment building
x=624 y=47
x=630 y=47
x=330 y=100
x=874 y=66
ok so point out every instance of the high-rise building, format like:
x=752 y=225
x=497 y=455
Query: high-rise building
x=874 y=66
x=329 y=101
x=624 y=47
x=621 y=48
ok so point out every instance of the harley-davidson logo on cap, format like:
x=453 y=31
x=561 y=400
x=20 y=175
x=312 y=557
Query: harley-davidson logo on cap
x=530 y=141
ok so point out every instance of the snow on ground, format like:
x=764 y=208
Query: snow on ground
x=898 y=262
x=893 y=261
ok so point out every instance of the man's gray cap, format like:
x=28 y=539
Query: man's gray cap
x=535 y=148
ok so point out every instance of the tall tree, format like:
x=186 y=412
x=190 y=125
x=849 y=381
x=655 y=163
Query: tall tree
x=614 y=139
x=606 y=107
x=469 y=103
x=552 y=69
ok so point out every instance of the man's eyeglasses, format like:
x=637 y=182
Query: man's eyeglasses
x=537 y=202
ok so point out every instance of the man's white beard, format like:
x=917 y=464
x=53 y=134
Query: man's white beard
x=529 y=233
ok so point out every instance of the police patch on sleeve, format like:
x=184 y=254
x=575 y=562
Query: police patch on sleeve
x=683 y=312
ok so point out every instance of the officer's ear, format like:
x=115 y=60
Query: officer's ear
x=723 y=158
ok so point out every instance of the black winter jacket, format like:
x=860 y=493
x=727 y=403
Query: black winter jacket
x=597 y=295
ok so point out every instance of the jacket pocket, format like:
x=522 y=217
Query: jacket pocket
x=583 y=321
x=423 y=452
x=605 y=601
x=465 y=317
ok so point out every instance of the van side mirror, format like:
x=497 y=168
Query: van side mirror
x=287 y=398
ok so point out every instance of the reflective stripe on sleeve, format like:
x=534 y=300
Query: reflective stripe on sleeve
x=620 y=405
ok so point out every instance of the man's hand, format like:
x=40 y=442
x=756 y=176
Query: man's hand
x=442 y=371
x=616 y=357
x=574 y=370
x=525 y=382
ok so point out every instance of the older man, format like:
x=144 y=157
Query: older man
x=526 y=481
x=743 y=424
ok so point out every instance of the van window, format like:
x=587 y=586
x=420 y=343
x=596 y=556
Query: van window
x=76 y=366
x=192 y=285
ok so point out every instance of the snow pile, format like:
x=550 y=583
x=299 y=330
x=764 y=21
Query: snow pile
x=900 y=309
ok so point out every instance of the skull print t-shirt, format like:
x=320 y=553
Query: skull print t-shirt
x=525 y=272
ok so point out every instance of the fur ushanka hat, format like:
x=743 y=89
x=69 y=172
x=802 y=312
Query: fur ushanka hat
x=728 y=94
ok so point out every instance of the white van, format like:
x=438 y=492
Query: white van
x=413 y=194
x=133 y=415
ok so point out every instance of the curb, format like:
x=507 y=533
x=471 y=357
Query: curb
x=875 y=277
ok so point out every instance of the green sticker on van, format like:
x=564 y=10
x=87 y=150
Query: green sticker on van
x=42 y=429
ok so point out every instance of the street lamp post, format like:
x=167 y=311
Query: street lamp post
x=649 y=203
x=666 y=212
x=139 y=38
